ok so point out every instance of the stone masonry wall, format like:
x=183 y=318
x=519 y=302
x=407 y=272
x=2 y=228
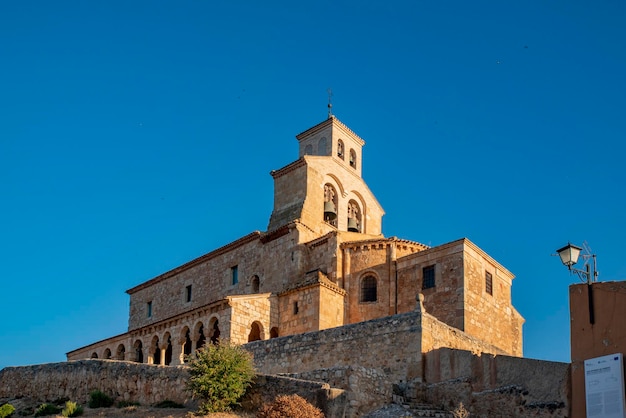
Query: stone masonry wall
x=382 y=352
x=146 y=384
x=494 y=386
x=247 y=310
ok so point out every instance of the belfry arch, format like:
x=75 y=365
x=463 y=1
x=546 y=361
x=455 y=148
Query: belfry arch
x=331 y=203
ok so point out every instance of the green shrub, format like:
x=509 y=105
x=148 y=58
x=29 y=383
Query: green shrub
x=6 y=410
x=168 y=404
x=97 y=399
x=289 y=406
x=219 y=376
x=126 y=404
x=47 y=409
x=72 y=409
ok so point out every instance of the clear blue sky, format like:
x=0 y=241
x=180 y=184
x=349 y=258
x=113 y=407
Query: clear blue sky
x=136 y=136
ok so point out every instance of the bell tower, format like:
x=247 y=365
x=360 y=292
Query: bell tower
x=332 y=138
x=324 y=189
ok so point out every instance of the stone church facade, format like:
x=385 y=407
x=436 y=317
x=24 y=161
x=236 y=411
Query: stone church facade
x=322 y=263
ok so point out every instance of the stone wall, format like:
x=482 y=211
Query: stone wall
x=366 y=358
x=494 y=386
x=147 y=384
x=459 y=297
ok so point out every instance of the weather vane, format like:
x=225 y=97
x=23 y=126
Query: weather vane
x=330 y=105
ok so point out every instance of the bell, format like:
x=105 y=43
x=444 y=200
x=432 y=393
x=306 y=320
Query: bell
x=352 y=225
x=330 y=213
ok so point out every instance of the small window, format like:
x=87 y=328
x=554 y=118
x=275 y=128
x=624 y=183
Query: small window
x=149 y=309
x=234 y=275
x=255 y=284
x=308 y=150
x=352 y=158
x=296 y=309
x=368 y=289
x=188 y=294
x=488 y=283
x=429 y=277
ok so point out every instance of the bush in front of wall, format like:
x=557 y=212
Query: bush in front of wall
x=6 y=410
x=72 y=409
x=97 y=399
x=46 y=409
x=219 y=375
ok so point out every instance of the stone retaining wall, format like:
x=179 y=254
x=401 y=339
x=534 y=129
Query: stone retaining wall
x=146 y=384
x=494 y=386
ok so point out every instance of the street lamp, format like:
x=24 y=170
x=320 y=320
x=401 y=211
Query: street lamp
x=569 y=256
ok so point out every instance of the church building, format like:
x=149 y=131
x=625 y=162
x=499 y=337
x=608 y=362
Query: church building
x=322 y=262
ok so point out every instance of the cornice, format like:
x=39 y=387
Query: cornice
x=333 y=121
x=288 y=168
x=375 y=241
x=215 y=253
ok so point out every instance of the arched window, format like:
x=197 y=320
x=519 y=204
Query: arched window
x=156 y=351
x=120 y=353
x=215 y=332
x=321 y=146
x=255 y=332
x=168 y=349
x=187 y=344
x=352 y=158
x=107 y=354
x=308 y=150
x=330 y=205
x=201 y=337
x=94 y=355
x=255 y=283
x=340 y=149
x=138 y=351
x=368 y=289
x=274 y=332
x=354 y=217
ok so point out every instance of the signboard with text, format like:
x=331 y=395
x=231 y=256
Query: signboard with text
x=604 y=387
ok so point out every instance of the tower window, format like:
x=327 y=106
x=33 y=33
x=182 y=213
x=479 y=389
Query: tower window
x=149 y=309
x=352 y=158
x=340 y=152
x=488 y=283
x=234 y=275
x=354 y=217
x=368 y=289
x=330 y=205
x=428 y=277
x=188 y=294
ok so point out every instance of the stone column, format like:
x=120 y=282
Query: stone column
x=163 y=349
x=178 y=352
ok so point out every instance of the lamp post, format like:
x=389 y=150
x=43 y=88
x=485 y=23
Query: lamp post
x=569 y=256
